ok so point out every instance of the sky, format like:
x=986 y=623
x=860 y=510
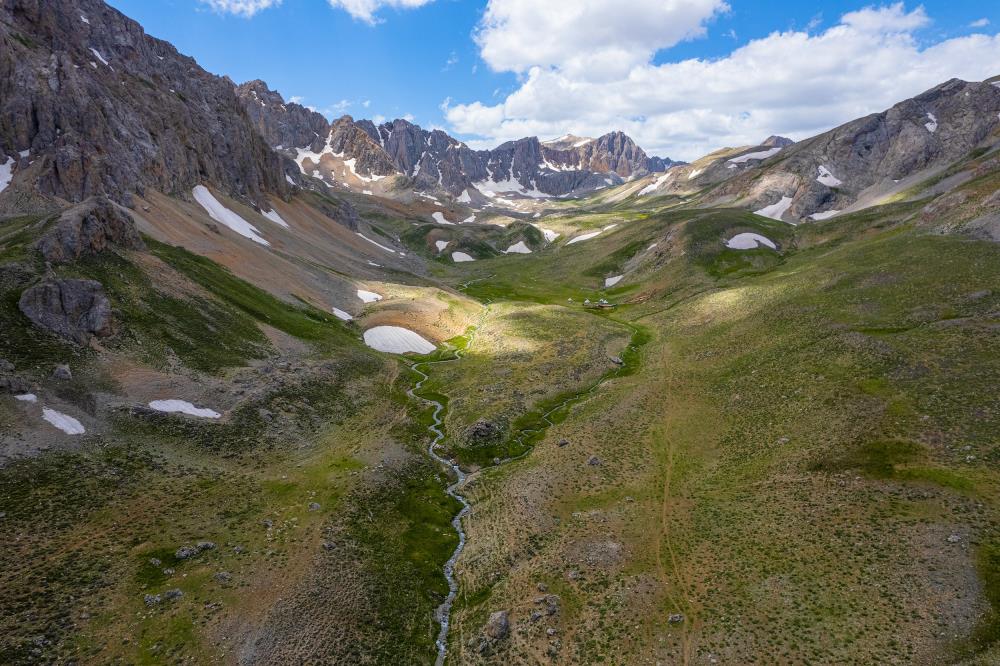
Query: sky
x=682 y=77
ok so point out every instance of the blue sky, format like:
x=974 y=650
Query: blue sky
x=408 y=62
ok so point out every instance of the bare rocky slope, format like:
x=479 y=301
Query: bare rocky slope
x=854 y=164
x=90 y=104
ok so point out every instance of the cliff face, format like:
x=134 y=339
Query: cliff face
x=96 y=106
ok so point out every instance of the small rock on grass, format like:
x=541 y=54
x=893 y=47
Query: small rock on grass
x=62 y=372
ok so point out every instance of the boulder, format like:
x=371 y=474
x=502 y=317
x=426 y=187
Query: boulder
x=498 y=626
x=73 y=309
x=89 y=229
x=62 y=373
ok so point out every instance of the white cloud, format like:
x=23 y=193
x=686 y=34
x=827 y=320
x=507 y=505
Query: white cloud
x=981 y=23
x=795 y=83
x=246 y=8
x=592 y=38
x=365 y=10
x=296 y=99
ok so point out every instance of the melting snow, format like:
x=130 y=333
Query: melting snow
x=289 y=179
x=397 y=340
x=84 y=19
x=97 y=54
x=470 y=219
x=612 y=281
x=824 y=216
x=933 y=124
x=340 y=314
x=183 y=407
x=694 y=174
x=651 y=247
x=26 y=397
x=655 y=185
x=459 y=257
x=387 y=249
x=441 y=244
x=748 y=241
x=221 y=214
x=465 y=198
x=6 y=173
x=760 y=155
x=440 y=219
x=609 y=227
x=776 y=211
x=368 y=296
x=274 y=217
x=67 y=424
x=588 y=236
x=827 y=178
x=547 y=233
x=518 y=248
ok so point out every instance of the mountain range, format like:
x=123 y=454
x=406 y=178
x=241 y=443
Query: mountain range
x=433 y=161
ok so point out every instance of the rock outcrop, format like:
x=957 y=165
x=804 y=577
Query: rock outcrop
x=103 y=108
x=76 y=310
x=89 y=229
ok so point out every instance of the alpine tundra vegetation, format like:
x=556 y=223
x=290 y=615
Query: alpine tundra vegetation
x=284 y=384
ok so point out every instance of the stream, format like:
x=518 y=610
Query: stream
x=443 y=612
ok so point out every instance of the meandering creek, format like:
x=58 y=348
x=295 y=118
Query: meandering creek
x=524 y=438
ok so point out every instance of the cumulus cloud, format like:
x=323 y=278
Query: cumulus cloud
x=365 y=10
x=592 y=38
x=796 y=83
x=246 y=8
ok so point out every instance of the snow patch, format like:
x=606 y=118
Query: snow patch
x=97 y=54
x=441 y=244
x=464 y=197
x=461 y=257
x=518 y=248
x=274 y=217
x=387 y=249
x=547 y=233
x=749 y=241
x=183 y=407
x=84 y=19
x=289 y=180
x=827 y=178
x=368 y=296
x=64 y=422
x=223 y=215
x=776 y=211
x=6 y=173
x=694 y=174
x=587 y=236
x=933 y=124
x=340 y=314
x=824 y=216
x=760 y=155
x=26 y=397
x=397 y=340
x=655 y=185
x=440 y=219
x=612 y=281
x=470 y=219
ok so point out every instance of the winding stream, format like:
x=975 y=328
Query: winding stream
x=443 y=612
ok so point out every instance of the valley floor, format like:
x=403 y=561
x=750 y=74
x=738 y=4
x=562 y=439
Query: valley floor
x=756 y=457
